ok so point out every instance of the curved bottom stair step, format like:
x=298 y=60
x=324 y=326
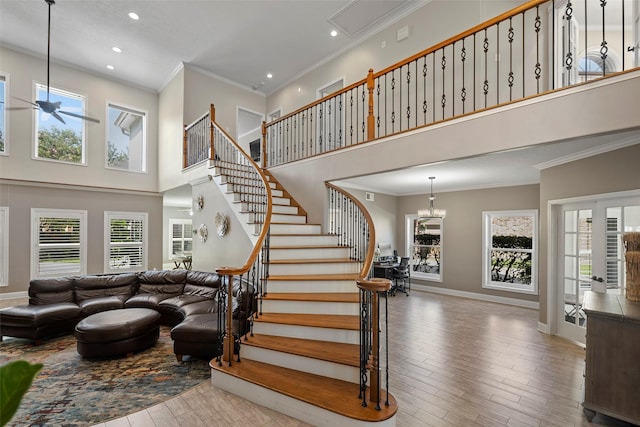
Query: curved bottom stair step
x=339 y=397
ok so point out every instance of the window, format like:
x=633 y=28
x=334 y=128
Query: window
x=510 y=251
x=3 y=117
x=56 y=140
x=180 y=237
x=4 y=246
x=126 y=139
x=125 y=241
x=58 y=242
x=424 y=240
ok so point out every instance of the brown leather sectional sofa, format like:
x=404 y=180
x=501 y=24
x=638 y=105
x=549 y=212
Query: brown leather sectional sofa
x=186 y=300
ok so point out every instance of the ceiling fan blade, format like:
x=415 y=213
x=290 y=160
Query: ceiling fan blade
x=91 y=119
x=54 y=114
x=27 y=101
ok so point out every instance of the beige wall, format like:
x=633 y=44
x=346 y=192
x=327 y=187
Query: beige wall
x=462 y=242
x=23 y=70
x=230 y=250
x=21 y=198
x=605 y=173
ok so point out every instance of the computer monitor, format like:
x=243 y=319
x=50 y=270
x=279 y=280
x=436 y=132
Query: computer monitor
x=386 y=252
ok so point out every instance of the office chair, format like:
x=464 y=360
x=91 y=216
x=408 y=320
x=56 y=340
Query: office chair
x=402 y=272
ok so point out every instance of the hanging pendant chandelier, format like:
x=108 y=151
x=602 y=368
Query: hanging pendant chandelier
x=432 y=212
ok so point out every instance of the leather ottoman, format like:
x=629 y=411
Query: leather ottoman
x=117 y=332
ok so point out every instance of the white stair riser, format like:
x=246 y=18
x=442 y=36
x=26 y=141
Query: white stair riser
x=281 y=201
x=310 y=307
x=295 y=228
x=308 y=253
x=312 y=286
x=295 y=408
x=318 y=268
x=302 y=363
x=280 y=209
x=302 y=240
x=296 y=219
x=307 y=332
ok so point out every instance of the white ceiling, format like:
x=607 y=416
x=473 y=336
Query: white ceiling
x=241 y=40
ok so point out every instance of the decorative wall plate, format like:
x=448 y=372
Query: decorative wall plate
x=203 y=232
x=199 y=202
x=222 y=224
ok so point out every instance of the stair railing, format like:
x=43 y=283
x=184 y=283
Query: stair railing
x=350 y=220
x=528 y=51
x=206 y=140
x=371 y=291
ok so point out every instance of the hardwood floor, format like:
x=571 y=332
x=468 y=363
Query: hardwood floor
x=454 y=362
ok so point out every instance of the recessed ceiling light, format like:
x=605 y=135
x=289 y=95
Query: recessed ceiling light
x=134 y=16
x=269 y=75
x=333 y=33
x=116 y=49
x=110 y=67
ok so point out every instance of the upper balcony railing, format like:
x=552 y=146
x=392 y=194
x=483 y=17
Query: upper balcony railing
x=533 y=49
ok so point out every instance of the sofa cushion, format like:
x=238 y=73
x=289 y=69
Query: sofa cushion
x=33 y=316
x=51 y=291
x=96 y=305
x=146 y=300
x=162 y=282
x=203 y=278
x=202 y=307
x=88 y=287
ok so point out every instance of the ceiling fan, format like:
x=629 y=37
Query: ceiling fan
x=47 y=106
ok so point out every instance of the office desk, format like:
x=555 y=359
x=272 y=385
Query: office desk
x=384 y=271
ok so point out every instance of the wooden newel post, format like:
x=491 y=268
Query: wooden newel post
x=228 y=343
x=212 y=119
x=375 y=286
x=371 y=119
x=185 y=137
x=263 y=156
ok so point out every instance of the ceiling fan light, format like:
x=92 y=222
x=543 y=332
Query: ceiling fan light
x=116 y=49
x=134 y=16
x=110 y=67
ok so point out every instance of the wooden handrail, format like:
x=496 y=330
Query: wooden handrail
x=489 y=23
x=368 y=259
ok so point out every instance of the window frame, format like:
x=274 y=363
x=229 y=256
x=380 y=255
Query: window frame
x=487 y=240
x=409 y=230
x=144 y=169
x=4 y=151
x=83 y=137
x=36 y=214
x=4 y=246
x=108 y=244
x=181 y=221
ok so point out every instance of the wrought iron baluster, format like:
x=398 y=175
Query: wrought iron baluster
x=408 y=91
x=604 y=48
x=463 y=58
x=538 y=68
x=510 y=38
x=443 y=100
x=485 y=85
x=425 y=104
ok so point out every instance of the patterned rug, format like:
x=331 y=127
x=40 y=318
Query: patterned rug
x=72 y=391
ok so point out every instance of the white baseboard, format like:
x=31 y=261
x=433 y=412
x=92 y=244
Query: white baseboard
x=472 y=295
x=13 y=295
x=544 y=328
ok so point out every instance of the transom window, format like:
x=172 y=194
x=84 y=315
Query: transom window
x=510 y=240
x=126 y=139
x=125 y=241
x=424 y=239
x=56 y=140
x=59 y=242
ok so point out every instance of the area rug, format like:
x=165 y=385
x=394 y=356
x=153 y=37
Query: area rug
x=72 y=391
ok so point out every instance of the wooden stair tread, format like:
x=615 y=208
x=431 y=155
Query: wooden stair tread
x=345 y=354
x=313 y=296
x=332 y=321
x=337 y=396
x=312 y=261
x=302 y=234
x=313 y=277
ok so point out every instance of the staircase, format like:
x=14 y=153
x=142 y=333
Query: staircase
x=303 y=358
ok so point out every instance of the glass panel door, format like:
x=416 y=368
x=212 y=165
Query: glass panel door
x=591 y=256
